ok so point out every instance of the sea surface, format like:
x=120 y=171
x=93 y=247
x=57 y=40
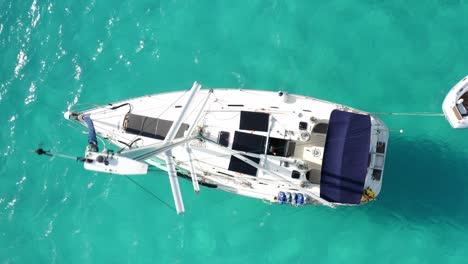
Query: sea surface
x=378 y=56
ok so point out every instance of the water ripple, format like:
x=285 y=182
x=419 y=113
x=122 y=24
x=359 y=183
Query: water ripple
x=62 y=52
x=22 y=60
x=32 y=95
x=3 y=89
x=75 y=99
x=50 y=228
x=20 y=182
x=34 y=16
x=90 y=7
x=110 y=25
x=11 y=204
x=141 y=46
x=10 y=148
x=98 y=49
x=77 y=69
x=11 y=207
x=240 y=79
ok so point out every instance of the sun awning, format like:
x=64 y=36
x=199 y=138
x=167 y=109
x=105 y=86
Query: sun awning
x=345 y=158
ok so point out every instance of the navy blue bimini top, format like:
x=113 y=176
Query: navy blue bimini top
x=345 y=158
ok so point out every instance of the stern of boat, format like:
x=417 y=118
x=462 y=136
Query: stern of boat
x=376 y=163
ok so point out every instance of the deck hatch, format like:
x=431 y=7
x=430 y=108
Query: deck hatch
x=281 y=147
x=150 y=127
x=223 y=138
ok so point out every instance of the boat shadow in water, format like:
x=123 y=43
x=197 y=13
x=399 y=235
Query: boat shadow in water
x=425 y=181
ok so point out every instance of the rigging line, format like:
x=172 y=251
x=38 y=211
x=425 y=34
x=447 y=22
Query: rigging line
x=193 y=110
x=96 y=118
x=79 y=105
x=278 y=148
x=408 y=113
x=150 y=193
x=97 y=135
x=173 y=103
x=158 y=117
x=96 y=107
x=280 y=179
x=227 y=155
x=230 y=118
x=111 y=108
x=239 y=179
x=232 y=177
x=149 y=109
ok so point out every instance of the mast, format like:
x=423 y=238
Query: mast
x=270 y=121
x=193 y=174
x=165 y=148
x=168 y=154
x=171 y=170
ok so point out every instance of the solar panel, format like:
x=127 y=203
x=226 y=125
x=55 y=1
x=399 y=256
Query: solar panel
x=150 y=127
x=249 y=143
x=254 y=121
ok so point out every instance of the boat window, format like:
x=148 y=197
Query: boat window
x=380 y=148
x=376 y=174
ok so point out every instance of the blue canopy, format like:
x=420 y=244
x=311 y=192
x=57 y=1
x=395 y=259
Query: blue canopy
x=92 y=139
x=345 y=157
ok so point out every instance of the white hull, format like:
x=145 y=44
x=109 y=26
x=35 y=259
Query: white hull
x=221 y=117
x=457 y=113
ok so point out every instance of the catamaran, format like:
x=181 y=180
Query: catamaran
x=278 y=147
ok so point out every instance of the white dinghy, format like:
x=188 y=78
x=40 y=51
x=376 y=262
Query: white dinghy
x=278 y=147
x=455 y=105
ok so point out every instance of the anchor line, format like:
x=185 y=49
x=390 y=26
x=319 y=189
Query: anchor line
x=408 y=113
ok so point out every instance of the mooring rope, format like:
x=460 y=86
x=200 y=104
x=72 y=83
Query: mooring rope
x=408 y=113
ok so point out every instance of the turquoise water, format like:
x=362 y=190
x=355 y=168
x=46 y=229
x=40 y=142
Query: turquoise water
x=382 y=56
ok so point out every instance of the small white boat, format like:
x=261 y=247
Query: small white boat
x=274 y=146
x=455 y=105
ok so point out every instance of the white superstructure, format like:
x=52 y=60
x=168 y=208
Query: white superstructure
x=261 y=144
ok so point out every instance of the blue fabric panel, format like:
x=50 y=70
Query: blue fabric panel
x=91 y=131
x=345 y=158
